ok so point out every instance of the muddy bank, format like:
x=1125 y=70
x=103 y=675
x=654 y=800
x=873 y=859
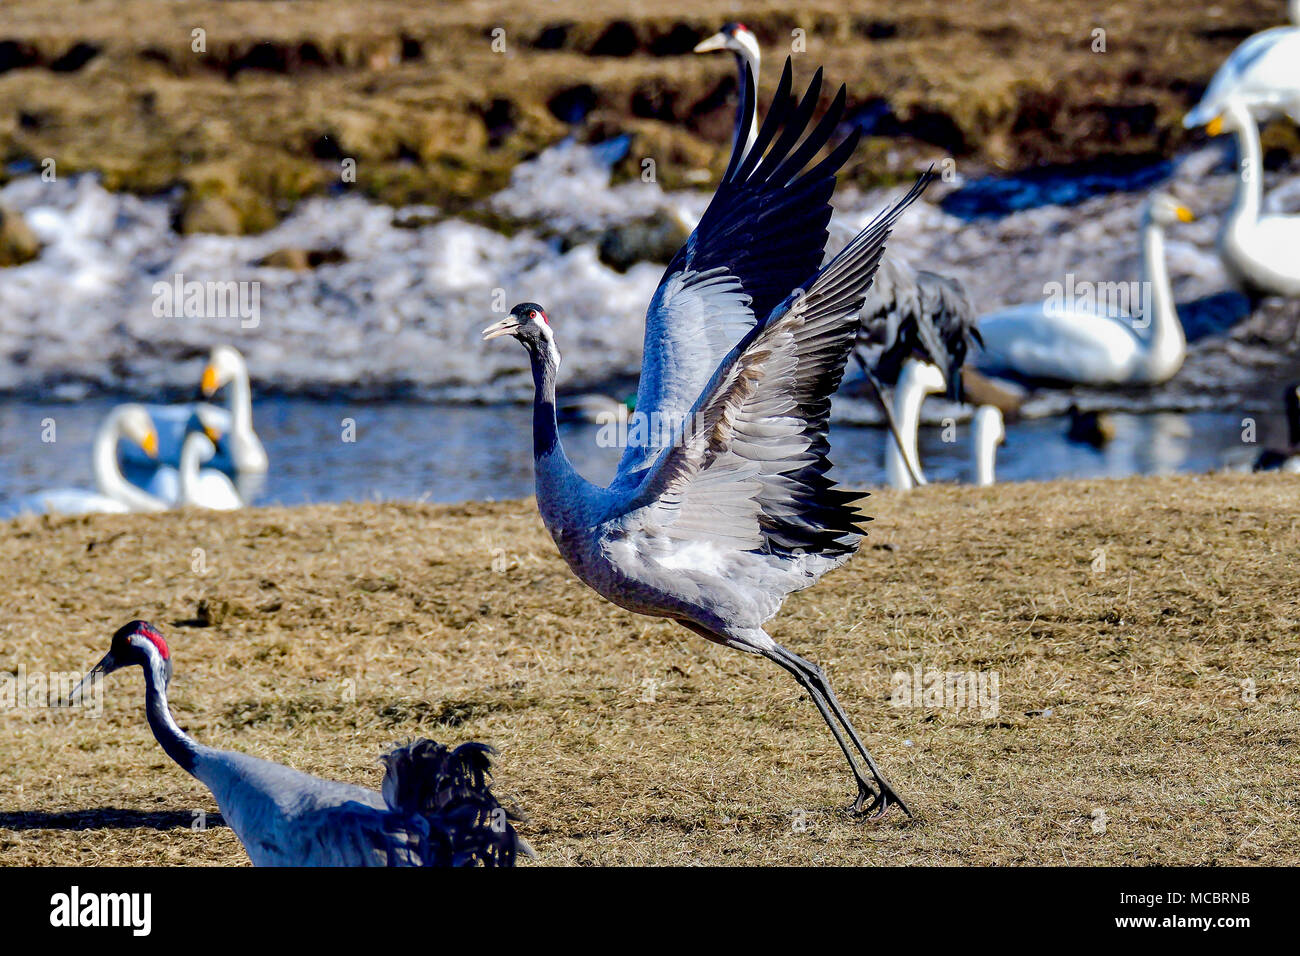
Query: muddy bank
x=280 y=95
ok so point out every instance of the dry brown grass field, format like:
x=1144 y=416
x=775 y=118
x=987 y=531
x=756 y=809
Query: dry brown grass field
x=1127 y=731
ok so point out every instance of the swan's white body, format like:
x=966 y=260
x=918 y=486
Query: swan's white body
x=1077 y=343
x=1261 y=251
x=192 y=485
x=1264 y=72
x=915 y=382
x=113 y=492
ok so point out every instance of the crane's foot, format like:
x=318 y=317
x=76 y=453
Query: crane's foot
x=875 y=804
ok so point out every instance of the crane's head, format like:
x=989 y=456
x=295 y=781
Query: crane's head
x=528 y=323
x=224 y=364
x=137 y=643
x=736 y=37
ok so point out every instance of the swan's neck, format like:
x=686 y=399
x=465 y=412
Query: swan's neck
x=986 y=450
x=751 y=58
x=175 y=742
x=108 y=476
x=191 y=460
x=1248 y=198
x=1166 y=344
x=909 y=397
x=241 y=404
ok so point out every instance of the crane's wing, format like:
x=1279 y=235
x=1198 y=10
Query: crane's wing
x=763 y=232
x=749 y=470
x=918 y=314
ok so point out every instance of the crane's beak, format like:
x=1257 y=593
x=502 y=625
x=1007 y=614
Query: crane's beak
x=1184 y=214
x=1215 y=126
x=506 y=326
x=214 y=436
x=150 y=444
x=105 y=666
x=716 y=42
x=208 y=385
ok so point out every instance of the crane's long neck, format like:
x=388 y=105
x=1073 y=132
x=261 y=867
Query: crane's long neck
x=559 y=487
x=108 y=477
x=748 y=125
x=175 y=742
x=1248 y=198
x=1294 y=9
x=1166 y=344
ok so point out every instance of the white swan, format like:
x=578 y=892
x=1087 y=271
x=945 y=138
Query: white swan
x=987 y=432
x=915 y=381
x=227 y=367
x=1262 y=72
x=1071 y=337
x=114 y=493
x=1261 y=251
x=189 y=483
x=206 y=488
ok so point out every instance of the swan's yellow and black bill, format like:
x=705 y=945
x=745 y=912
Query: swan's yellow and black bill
x=208 y=384
x=505 y=327
x=104 y=667
x=1184 y=214
x=716 y=42
x=1215 y=126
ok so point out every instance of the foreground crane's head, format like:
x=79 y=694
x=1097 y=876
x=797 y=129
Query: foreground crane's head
x=528 y=323
x=137 y=643
x=736 y=37
x=224 y=364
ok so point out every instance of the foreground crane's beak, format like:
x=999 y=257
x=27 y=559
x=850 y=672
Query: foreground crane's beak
x=105 y=666
x=150 y=444
x=716 y=42
x=214 y=436
x=209 y=383
x=1184 y=214
x=1215 y=126
x=505 y=327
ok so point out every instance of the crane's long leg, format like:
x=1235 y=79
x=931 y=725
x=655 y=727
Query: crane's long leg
x=813 y=679
x=888 y=409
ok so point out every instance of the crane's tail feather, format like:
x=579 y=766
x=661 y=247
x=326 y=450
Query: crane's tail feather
x=452 y=790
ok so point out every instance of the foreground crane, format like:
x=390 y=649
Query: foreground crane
x=727 y=507
x=436 y=807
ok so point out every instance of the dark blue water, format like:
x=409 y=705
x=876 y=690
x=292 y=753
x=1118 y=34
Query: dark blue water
x=413 y=451
x=995 y=196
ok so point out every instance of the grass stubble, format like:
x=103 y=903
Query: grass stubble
x=316 y=636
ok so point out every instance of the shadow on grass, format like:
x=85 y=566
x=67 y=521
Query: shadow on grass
x=108 y=819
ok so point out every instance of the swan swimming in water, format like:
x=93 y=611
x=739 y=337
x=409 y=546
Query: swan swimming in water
x=1262 y=72
x=191 y=484
x=113 y=492
x=915 y=382
x=1262 y=251
x=1082 y=343
x=245 y=454
x=227 y=367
